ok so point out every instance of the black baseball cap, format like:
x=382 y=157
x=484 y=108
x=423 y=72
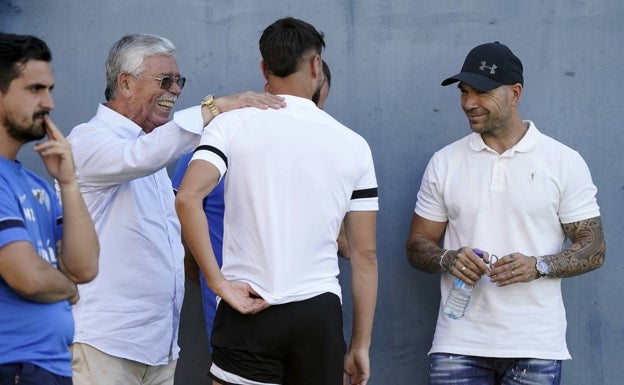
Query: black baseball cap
x=489 y=66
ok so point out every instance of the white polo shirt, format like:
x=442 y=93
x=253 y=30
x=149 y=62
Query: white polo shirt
x=292 y=174
x=512 y=202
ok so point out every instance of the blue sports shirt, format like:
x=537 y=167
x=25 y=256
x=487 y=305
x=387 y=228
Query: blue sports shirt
x=31 y=332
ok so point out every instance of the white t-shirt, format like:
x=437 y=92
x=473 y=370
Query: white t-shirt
x=512 y=202
x=292 y=174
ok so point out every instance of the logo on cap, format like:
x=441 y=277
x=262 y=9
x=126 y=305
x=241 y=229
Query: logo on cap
x=492 y=68
x=480 y=72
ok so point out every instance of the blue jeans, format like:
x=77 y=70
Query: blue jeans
x=29 y=374
x=451 y=369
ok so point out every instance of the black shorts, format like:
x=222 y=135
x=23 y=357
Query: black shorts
x=298 y=343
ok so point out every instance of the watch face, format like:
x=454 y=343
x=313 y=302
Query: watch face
x=542 y=267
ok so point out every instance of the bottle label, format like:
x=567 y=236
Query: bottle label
x=461 y=284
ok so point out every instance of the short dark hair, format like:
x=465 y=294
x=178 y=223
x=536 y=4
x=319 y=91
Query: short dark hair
x=284 y=43
x=15 y=52
x=327 y=73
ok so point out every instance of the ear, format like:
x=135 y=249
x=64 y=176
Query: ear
x=516 y=93
x=125 y=82
x=265 y=71
x=316 y=66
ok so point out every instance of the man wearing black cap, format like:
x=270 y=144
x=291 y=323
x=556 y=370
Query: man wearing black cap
x=511 y=191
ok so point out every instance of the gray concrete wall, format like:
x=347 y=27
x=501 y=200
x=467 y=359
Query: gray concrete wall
x=388 y=58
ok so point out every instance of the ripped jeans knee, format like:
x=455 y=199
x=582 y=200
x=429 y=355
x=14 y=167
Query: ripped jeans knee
x=453 y=369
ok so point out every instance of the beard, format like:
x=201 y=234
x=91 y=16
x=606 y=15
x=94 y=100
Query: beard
x=25 y=134
x=316 y=96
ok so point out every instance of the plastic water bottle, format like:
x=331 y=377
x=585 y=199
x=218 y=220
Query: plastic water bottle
x=459 y=297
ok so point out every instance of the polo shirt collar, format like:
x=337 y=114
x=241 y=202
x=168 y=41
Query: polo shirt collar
x=526 y=144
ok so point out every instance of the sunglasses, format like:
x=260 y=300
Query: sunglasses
x=166 y=82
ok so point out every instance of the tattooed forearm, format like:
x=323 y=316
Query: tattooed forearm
x=586 y=253
x=422 y=246
x=425 y=255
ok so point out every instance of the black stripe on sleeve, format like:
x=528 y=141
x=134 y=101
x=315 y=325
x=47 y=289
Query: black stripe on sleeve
x=368 y=193
x=214 y=150
x=11 y=223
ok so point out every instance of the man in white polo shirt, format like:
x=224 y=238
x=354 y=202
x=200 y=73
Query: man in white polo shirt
x=291 y=178
x=514 y=192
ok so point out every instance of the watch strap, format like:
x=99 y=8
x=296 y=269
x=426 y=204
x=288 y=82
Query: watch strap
x=209 y=101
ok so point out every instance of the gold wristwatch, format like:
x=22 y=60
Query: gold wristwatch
x=209 y=101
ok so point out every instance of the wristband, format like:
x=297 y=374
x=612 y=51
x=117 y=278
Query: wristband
x=442 y=258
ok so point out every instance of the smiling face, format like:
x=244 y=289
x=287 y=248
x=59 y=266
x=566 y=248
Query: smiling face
x=488 y=112
x=27 y=101
x=146 y=104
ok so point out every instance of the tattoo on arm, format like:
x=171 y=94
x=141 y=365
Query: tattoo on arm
x=424 y=255
x=586 y=253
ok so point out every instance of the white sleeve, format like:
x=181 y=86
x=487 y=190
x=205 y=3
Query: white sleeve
x=103 y=157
